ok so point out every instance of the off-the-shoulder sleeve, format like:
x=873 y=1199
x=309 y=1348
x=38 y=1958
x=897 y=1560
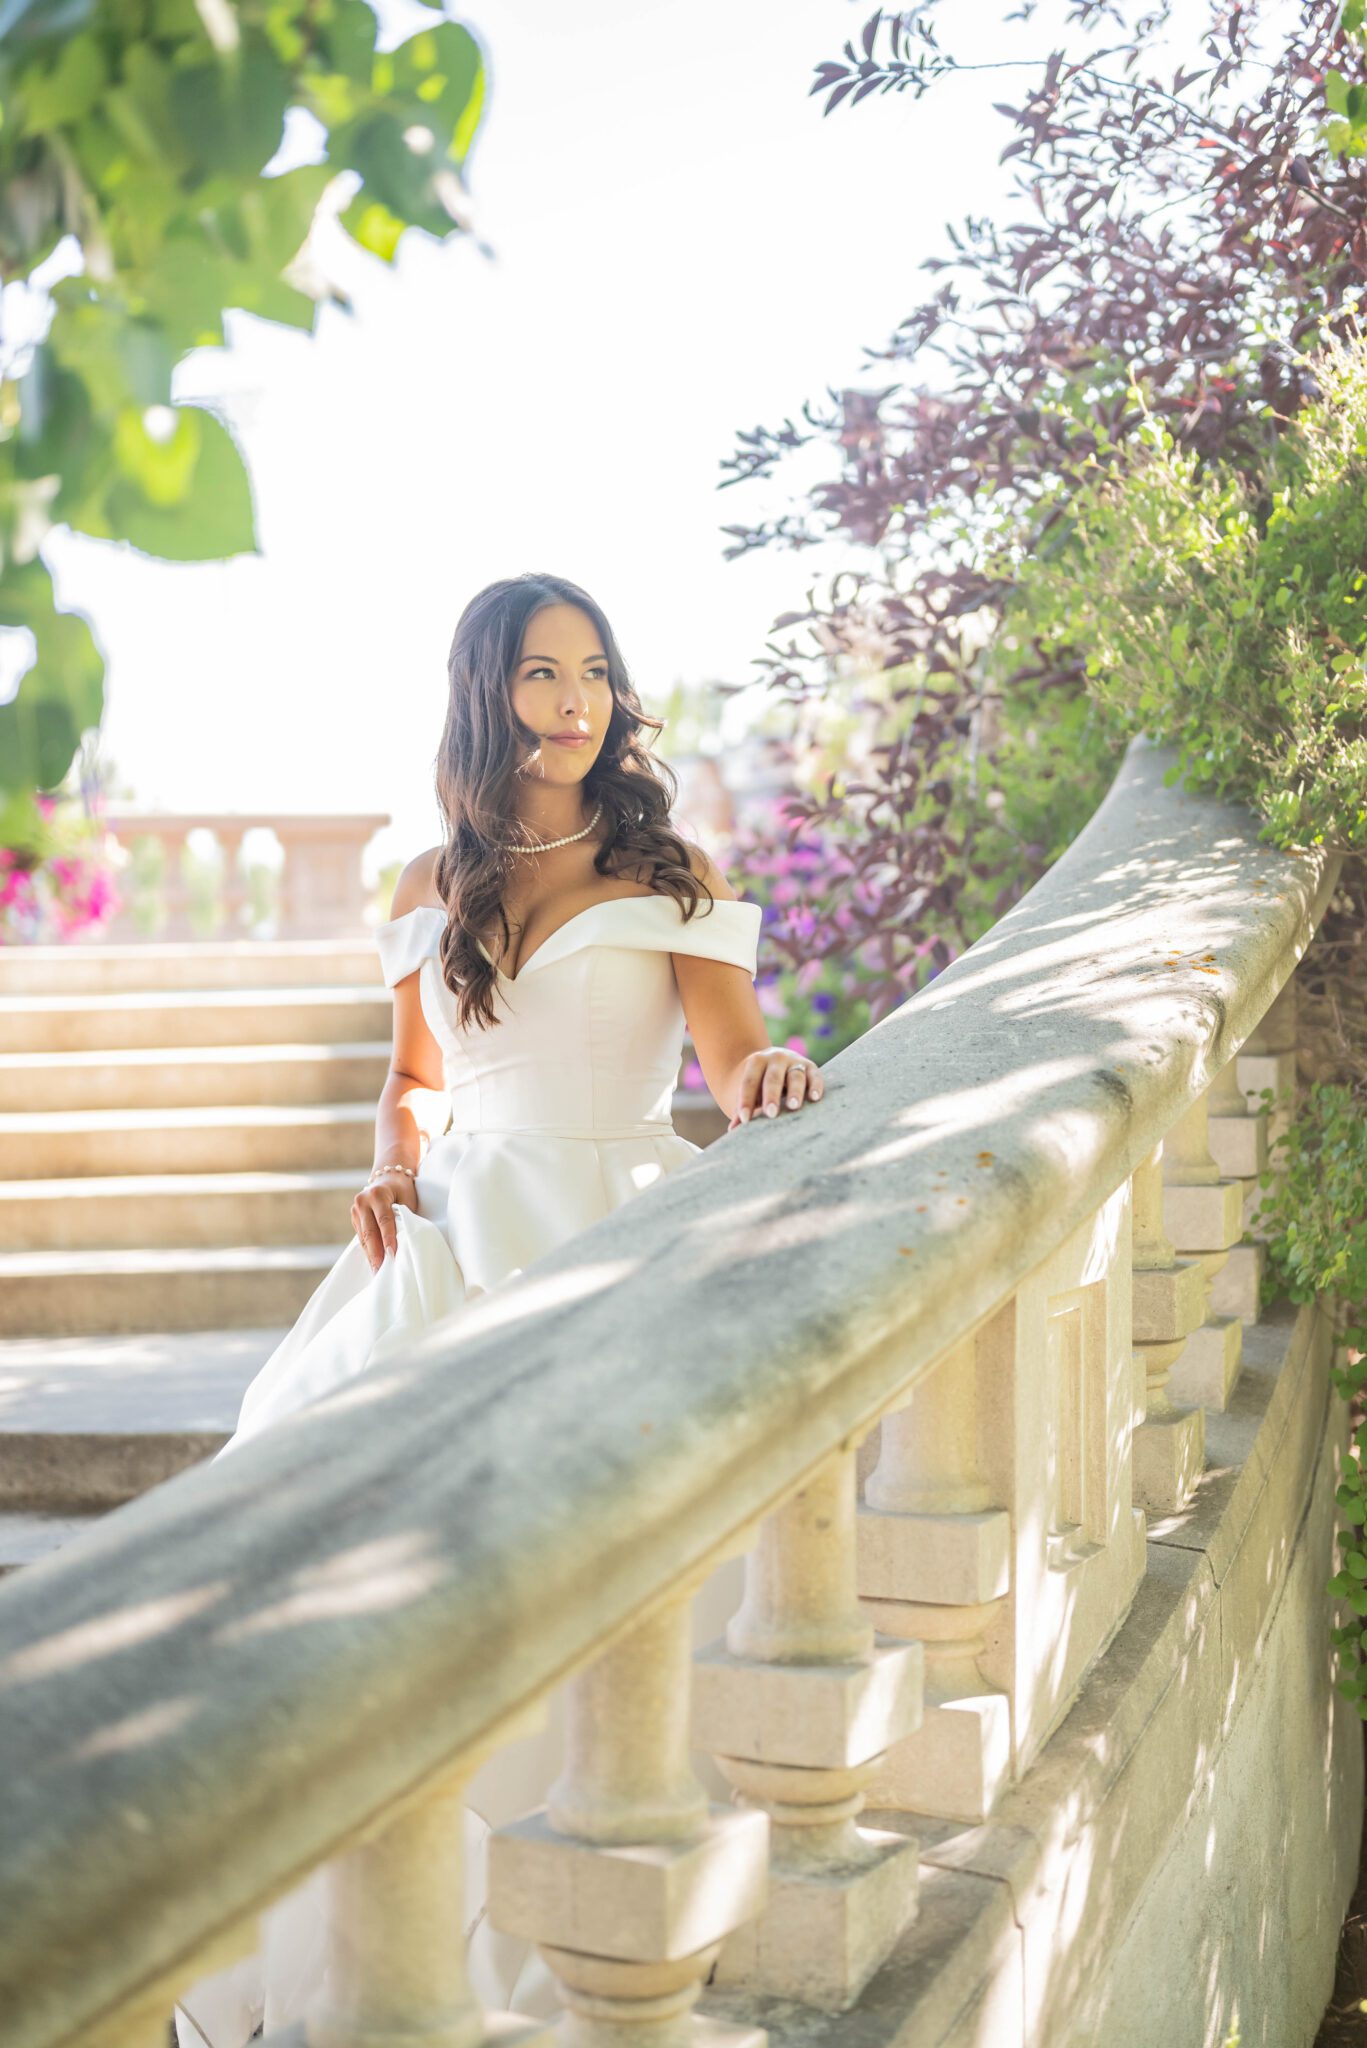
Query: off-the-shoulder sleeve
x=405 y=942
x=728 y=930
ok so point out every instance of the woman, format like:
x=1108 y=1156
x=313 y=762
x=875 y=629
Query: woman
x=544 y=960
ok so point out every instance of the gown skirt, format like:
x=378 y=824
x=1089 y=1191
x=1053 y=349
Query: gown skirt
x=560 y=1112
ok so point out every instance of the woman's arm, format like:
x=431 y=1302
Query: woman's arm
x=745 y=1073
x=414 y=1106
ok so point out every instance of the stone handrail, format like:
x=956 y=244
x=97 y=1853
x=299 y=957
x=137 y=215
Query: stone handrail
x=321 y=893
x=302 y=1652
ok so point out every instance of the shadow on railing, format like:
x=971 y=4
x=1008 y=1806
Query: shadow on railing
x=301 y=1654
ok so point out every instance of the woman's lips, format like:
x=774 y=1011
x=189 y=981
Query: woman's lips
x=574 y=740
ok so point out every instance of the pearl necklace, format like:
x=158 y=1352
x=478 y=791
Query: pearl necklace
x=544 y=845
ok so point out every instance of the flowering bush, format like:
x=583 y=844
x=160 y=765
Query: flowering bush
x=60 y=883
x=812 y=908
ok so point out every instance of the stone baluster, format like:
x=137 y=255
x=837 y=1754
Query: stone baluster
x=1203 y=1215
x=1267 y=1060
x=1169 y=1303
x=934 y=1566
x=175 y=881
x=1238 y=1145
x=321 y=890
x=628 y=1880
x=797 y=1704
x=234 y=897
x=396 y=1962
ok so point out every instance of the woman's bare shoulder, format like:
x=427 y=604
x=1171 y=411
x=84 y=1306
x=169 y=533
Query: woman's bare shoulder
x=417 y=885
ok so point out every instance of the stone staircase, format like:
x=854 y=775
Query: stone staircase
x=182 y=1130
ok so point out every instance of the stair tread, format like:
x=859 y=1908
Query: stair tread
x=245 y=1258
x=181 y=1117
x=261 y=1180
x=186 y=1382
x=240 y=998
x=196 y=1055
x=27 y=1535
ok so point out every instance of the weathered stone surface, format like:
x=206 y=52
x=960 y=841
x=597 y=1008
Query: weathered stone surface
x=1169 y=1301
x=825 y=1930
x=1208 y=1366
x=1169 y=1454
x=1204 y=1219
x=815 y=1715
x=635 y=1901
x=955 y=1558
x=1236 y=1288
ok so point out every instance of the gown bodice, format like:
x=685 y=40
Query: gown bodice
x=590 y=1030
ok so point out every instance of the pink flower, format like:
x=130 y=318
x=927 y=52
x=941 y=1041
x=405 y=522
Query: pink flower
x=796 y=1044
x=692 y=1076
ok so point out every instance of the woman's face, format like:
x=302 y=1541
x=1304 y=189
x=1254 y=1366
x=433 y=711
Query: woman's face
x=561 y=685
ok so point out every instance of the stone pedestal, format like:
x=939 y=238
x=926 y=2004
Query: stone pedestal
x=797 y=1706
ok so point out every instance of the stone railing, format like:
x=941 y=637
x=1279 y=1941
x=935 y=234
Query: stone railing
x=320 y=893
x=983 y=1275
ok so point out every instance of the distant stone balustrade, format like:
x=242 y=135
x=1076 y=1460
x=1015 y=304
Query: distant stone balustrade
x=320 y=892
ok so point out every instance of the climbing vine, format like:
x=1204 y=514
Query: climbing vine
x=1223 y=611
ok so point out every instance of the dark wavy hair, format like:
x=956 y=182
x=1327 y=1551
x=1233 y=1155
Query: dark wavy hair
x=476 y=768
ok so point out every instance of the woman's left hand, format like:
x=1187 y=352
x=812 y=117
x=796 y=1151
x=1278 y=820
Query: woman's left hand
x=773 y=1079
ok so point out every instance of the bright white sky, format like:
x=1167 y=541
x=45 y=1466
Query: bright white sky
x=683 y=248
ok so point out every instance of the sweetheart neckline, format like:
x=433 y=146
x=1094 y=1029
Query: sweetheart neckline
x=605 y=903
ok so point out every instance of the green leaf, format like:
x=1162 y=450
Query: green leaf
x=439 y=69
x=188 y=500
x=229 y=114
x=63 y=95
x=60 y=697
x=346 y=37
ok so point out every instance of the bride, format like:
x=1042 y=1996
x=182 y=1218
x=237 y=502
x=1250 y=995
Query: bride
x=545 y=960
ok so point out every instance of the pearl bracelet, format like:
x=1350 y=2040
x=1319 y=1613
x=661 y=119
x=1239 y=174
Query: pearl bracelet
x=376 y=1171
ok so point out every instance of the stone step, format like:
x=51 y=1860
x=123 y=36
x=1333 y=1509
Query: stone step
x=92 y=967
x=193 y=1076
x=24 y=1538
x=204 y=1287
x=65 y=1144
x=88 y=1422
x=116 y=1212
x=170 y=1019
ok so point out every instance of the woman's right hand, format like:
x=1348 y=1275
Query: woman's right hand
x=372 y=1215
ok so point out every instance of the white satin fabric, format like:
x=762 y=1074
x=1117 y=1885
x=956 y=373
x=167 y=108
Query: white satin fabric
x=560 y=1112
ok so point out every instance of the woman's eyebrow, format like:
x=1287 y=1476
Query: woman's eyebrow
x=552 y=660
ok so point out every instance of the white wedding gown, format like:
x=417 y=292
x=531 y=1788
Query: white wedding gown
x=560 y=1112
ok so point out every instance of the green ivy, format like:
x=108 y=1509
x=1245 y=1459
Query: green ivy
x=1314 y=1211
x=1224 y=613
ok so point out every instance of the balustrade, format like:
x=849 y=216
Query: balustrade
x=798 y=1705
x=1169 y=1303
x=1203 y=1215
x=629 y=1878
x=319 y=889
x=1022 y=1336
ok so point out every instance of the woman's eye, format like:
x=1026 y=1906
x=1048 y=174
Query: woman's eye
x=600 y=673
